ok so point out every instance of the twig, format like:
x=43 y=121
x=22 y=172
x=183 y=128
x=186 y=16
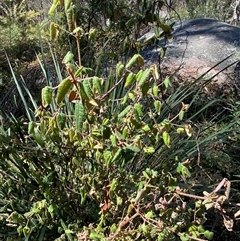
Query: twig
x=118 y=83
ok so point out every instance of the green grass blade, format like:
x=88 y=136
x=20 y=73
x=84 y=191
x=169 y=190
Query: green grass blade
x=27 y=109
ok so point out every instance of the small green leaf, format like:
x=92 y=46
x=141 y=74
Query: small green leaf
x=68 y=58
x=140 y=60
x=124 y=100
x=149 y=214
x=209 y=235
x=79 y=115
x=97 y=84
x=31 y=126
x=63 y=88
x=78 y=30
x=146 y=175
x=20 y=229
x=136 y=58
x=53 y=7
x=79 y=71
x=181 y=115
x=201 y=229
x=155 y=74
x=125 y=132
x=83 y=194
x=180 y=130
x=26 y=230
x=167 y=82
x=131 y=96
x=138 y=108
x=163 y=52
x=67 y=4
x=38 y=138
x=92 y=33
x=113 y=139
x=139 y=75
x=165 y=27
x=149 y=150
x=113 y=187
x=146 y=128
x=107 y=155
x=167 y=124
x=16 y=217
x=132 y=148
x=157 y=106
x=51 y=208
x=188 y=130
x=166 y=138
x=83 y=94
x=95 y=236
x=183 y=170
x=155 y=91
x=53 y=31
x=119 y=201
x=130 y=79
x=125 y=111
x=47 y=95
x=87 y=88
x=119 y=69
x=184 y=237
x=66 y=230
x=144 y=77
x=117 y=155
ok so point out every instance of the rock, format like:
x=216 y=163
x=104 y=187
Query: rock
x=197 y=46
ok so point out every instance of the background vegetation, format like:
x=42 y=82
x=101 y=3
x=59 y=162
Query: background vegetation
x=104 y=146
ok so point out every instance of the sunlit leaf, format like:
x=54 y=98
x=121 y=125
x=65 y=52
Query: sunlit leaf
x=68 y=57
x=78 y=30
x=144 y=77
x=155 y=91
x=188 y=130
x=47 y=95
x=94 y=102
x=181 y=114
x=125 y=111
x=149 y=150
x=63 y=88
x=208 y=234
x=130 y=79
x=138 y=108
x=157 y=106
x=166 y=138
x=97 y=84
x=79 y=71
x=119 y=69
x=180 y=130
x=149 y=214
x=183 y=170
x=137 y=58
